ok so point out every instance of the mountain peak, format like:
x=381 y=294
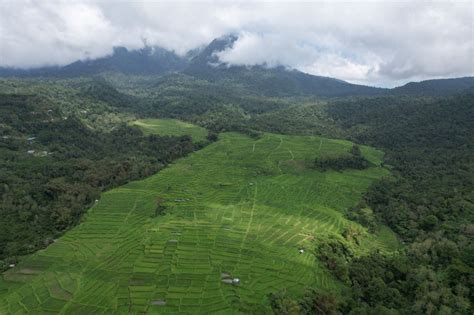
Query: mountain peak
x=208 y=56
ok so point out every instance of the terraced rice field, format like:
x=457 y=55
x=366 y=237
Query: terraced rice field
x=239 y=208
x=171 y=127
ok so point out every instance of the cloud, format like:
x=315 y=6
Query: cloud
x=370 y=42
x=52 y=33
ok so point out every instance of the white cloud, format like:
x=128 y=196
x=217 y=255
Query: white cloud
x=52 y=33
x=369 y=42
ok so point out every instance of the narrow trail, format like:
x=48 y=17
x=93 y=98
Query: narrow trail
x=252 y=211
x=279 y=145
x=276 y=149
x=292 y=156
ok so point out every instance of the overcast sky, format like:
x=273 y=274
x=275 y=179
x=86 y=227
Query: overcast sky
x=382 y=43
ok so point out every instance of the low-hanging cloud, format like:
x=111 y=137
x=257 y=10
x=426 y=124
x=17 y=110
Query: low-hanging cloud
x=370 y=42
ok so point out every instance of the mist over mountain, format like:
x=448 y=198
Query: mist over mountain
x=204 y=63
x=274 y=81
x=150 y=60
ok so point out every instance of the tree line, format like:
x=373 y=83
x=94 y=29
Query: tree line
x=52 y=169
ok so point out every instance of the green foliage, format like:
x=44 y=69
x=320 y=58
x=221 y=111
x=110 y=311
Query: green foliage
x=98 y=89
x=318 y=302
x=307 y=117
x=335 y=253
x=313 y=302
x=282 y=304
x=171 y=127
x=52 y=169
x=437 y=87
x=363 y=215
x=212 y=136
x=236 y=208
x=67 y=98
x=186 y=97
x=353 y=160
x=429 y=203
x=160 y=207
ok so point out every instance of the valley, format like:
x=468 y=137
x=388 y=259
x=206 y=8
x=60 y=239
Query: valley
x=240 y=208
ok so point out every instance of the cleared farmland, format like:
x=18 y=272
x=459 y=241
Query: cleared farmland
x=171 y=127
x=239 y=208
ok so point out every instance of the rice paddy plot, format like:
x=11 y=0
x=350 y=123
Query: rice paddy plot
x=237 y=214
x=171 y=127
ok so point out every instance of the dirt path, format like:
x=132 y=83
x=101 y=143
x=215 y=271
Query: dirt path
x=292 y=156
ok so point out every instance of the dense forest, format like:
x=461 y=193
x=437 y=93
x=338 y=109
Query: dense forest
x=353 y=160
x=430 y=204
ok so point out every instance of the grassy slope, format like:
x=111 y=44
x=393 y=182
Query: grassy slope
x=171 y=127
x=239 y=206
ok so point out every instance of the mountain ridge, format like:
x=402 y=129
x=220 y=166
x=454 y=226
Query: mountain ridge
x=149 y=60
x=203 y=63
x=436 y=87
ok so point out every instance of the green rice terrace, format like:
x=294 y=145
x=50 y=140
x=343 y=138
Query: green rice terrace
x=178 y=241
x=171 y=127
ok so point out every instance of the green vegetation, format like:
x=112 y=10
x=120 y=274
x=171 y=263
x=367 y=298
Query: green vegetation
x=52 y=169
x=349 y=268
x=353 y=159
x=171 y=127
x=96 y=104
x=429 y=203
x=239 y=208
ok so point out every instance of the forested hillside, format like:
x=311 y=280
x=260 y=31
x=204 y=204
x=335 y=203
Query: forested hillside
x=435 y=87
x=146 y=61
x=53 y=167
x=429 y=203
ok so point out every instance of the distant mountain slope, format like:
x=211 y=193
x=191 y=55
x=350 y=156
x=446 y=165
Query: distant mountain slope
x=100 y=90
x=435 y=87
x=277 y=81
x=203 y=64
x=145 y=61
